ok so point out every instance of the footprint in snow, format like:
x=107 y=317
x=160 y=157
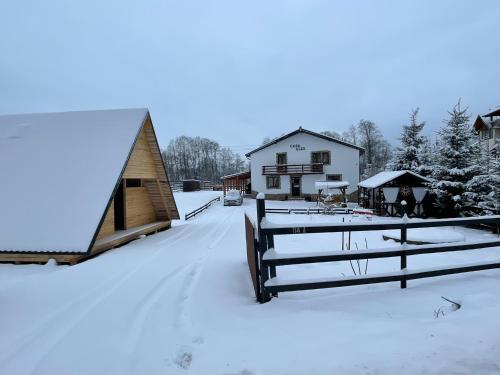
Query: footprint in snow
x=184 y=358
x=198 y=340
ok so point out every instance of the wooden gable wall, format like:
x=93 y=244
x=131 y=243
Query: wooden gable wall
x=164 y=191
x=151 y=202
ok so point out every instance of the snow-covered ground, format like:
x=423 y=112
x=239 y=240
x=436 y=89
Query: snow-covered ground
x=181 y=302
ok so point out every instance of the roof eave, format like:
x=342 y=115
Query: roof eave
x=301 y=130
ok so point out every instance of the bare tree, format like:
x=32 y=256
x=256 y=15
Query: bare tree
x=202 y=158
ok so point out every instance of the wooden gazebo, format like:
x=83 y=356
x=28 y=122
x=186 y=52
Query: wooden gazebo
x=385 y=191
x=237 y=181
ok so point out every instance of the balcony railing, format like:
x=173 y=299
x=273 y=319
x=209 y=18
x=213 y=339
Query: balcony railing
x=315 y=168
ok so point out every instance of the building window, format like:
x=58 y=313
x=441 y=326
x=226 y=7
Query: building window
x=320 y=157
x=273 y=182
x=281 y=161
x=334 y=177
x=281 y=158
x=133 y=182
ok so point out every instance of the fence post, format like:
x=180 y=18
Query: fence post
x=261 y=214
x=272 y=269
x=403 y=242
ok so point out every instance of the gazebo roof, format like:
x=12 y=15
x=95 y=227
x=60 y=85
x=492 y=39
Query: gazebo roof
x=383 y=177
x=330 y=184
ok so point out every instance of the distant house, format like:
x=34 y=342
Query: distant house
x=75 y=184
x=291 y=165
x=488 y=127
x=385 y=191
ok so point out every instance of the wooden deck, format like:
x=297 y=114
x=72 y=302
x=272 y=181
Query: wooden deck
x=121 y=237
x=105 y=243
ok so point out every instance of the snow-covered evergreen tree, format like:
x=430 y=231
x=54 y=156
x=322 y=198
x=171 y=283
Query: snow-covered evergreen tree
x=407 y=156
x=427 y=158
x=483 y=190
x=456 y=164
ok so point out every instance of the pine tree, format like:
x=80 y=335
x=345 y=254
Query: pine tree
x=455 y=164
x=483 y=190
x=427 y=158
x=407 y=156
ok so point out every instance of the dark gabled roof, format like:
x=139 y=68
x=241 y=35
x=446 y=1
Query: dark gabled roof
x=480 y=123
x=496 y=112
x=485 y=122
x=305 y=131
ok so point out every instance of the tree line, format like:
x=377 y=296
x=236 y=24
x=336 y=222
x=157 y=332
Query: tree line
x=200 y=158
x=465 y=177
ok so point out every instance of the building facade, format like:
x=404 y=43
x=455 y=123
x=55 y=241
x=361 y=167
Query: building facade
x=488 y=127
x=289 y=166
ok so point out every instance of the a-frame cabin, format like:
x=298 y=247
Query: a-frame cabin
x=78 y=183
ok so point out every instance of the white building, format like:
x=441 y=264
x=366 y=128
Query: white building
x=488 y=127
x=290 y=165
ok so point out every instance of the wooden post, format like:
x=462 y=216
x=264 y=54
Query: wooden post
x=343 y=220
x=403 y=242
x=272 y=269
x=261 y=214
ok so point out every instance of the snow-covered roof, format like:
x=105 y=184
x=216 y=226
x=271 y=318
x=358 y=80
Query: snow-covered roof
x=386 y=176
x=58 y=172
x=485 y=122
x=239 y=174
x=319 y=185
x=309 y=132
x=494 y=113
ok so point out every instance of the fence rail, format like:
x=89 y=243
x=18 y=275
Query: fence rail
x=200 y=209
x=309 y=211
x=268 y=259
x=204 y=185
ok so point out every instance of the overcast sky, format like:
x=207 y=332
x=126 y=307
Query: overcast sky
x=238 y=71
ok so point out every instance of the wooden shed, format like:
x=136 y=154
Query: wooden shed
x=237 y=181
x=385 y=191
x=75 y=184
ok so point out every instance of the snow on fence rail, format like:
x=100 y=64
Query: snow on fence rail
x=267 y=284
x=308 y=211
x=189 y=215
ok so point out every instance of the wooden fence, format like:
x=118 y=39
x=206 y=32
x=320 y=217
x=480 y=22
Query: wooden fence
x=267 y=260
x=200 y=209
x=309 y=211
x=252 y=255
x=204 y=185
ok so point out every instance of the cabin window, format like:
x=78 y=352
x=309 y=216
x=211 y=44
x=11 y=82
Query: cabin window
x=487 y=134
x=320 y=157
x=133 y=182
x=273 y=182
x=334 y=177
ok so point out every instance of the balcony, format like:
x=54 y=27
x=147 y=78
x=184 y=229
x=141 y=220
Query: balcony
x=315 y=168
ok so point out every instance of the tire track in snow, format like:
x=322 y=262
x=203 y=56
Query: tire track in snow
x=115 y=281
x=184 y=354
x=184 y=318
x=145 y=307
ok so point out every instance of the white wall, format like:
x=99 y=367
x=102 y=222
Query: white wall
x=344 y=160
